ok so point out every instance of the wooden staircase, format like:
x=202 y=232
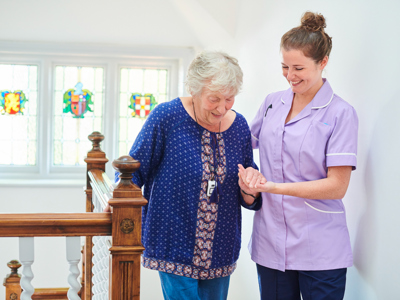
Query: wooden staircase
x=123 y=224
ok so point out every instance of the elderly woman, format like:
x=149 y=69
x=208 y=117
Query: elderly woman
x=189 y=149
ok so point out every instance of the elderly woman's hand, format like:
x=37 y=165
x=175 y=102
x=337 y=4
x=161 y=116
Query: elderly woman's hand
x=254 y=181
x=107 y=208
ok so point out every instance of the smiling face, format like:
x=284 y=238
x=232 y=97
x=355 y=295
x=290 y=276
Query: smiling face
x=303 y=73
x=211 y=107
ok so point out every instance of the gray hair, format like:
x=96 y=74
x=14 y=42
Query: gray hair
x=215 y=70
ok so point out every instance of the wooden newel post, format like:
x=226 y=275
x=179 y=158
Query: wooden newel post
x=11 y=282
x=126 y=232
x=95 y=159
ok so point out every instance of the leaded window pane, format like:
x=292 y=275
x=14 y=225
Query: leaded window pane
x=18 y=114
x=78 y=111
x=140 y=90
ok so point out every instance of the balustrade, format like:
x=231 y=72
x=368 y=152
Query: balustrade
x=111 y=254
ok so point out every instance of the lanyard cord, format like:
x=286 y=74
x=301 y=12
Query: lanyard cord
x=217 y=190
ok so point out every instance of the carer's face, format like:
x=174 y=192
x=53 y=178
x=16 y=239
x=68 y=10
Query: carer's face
x=303 y=73
x=214 y=105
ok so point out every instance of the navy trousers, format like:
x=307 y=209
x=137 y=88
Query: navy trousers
x=312 y=285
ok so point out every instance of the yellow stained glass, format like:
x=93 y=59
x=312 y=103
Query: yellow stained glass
x=18 y=114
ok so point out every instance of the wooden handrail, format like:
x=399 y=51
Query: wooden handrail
x=50 y=294
x=55 y=224
x=102 y=185
x=123 y=224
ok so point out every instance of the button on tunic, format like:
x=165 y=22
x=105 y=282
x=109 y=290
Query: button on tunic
x=292 y=233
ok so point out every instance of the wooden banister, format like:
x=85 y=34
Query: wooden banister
x=11 y=282
x=95 y=159
x=57 y=224
x=127 y=246
x=123 y=224
x=50 y=294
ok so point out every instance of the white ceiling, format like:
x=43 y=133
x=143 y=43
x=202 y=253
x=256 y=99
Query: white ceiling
x=182 y=23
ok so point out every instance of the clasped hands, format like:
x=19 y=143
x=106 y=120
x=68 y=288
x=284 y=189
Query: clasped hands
x=252 y=181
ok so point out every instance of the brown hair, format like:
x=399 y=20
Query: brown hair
x=310 y=37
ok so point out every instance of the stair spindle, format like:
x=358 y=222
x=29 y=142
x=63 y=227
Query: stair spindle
x=73 y=257
x=26 y=257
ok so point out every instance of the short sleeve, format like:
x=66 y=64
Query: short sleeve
x=342 y=145
x=256 y=124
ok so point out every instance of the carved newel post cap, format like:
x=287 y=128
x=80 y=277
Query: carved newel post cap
x=96 y=137
x=14 y=266
x=126 y=165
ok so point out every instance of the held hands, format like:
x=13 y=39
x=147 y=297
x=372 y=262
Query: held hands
x=252 y=181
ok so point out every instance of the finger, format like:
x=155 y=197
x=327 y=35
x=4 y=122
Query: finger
x=253 y=180
x=242 y=173
x=249 y=175
x=258 y=182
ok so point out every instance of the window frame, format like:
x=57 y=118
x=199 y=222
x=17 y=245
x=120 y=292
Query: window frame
x=46 y=56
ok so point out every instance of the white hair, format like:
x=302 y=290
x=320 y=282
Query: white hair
x=215 y=70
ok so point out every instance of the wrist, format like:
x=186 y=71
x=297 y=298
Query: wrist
x=254 y=196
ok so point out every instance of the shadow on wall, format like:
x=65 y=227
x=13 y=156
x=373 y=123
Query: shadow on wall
x=377 y=239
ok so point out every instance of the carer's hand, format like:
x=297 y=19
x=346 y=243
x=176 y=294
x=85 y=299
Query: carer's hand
x=254 y=180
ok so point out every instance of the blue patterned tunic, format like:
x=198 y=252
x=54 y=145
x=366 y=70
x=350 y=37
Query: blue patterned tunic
x=183 y=232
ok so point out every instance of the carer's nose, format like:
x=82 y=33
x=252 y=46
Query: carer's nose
x=290 y=75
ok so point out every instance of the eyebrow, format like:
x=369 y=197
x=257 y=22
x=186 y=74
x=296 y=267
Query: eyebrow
x=283 y=64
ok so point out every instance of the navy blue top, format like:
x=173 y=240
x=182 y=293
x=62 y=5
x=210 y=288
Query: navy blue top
x=183 y=232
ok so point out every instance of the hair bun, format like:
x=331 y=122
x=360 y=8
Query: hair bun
x=313 y=22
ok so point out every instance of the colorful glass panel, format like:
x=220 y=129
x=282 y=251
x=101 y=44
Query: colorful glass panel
x=142 y=105
x=140 y=91
x=12 y=102
x=78 y=101
x=78 y=104
x=18 y=115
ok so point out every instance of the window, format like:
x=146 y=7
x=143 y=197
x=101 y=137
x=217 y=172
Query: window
x=18 y=114
x=78 y=111
x=140 y=90
x=62 y=93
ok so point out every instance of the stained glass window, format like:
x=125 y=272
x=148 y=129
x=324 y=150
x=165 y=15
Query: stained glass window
x=18 y=114
x=78 y=111
x=140 y=90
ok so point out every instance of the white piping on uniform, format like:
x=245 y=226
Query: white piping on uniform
x=318 y=107
x=255 y=137
x=331 y=154
x=324 y=211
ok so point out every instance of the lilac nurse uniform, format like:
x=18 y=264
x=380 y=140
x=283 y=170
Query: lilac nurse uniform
x=292 y=233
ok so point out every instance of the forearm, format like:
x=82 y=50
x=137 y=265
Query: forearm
x=332 y=187
x=327 y=188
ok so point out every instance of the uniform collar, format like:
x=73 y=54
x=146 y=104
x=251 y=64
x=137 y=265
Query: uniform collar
x=322 y=99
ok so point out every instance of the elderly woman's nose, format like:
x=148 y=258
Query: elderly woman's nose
x=222 y=107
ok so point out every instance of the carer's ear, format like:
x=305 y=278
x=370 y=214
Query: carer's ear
x=324 y=62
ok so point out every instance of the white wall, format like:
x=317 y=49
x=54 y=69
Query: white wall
x=363 y=69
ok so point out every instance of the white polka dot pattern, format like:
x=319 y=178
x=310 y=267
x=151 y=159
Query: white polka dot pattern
x=179 y=224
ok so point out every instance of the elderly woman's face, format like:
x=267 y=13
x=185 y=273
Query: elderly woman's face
x=213 y=105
